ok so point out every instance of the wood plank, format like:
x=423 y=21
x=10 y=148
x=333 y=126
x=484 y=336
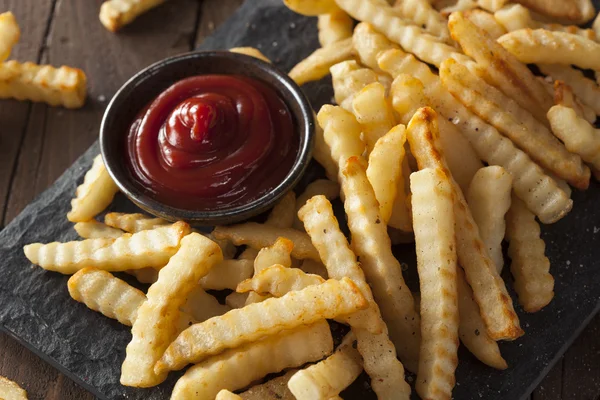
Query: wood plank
x=213 y=14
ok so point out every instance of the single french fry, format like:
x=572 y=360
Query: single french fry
x=147 y=248
x=316 y=65
x=274 y=389
x=421 y=13
x=95 y=230
x=311 y=8
x=488 y=288
x=485 y=21
x=94 y=194
x=202 y=306
x=227 y=274
x=282 y=215
x=254 y=297
x=227 y=395
x=250 y=51
x=575 y=11
x=248 y=254
x=585 y=89
x=63 y=86
x=10 y=390
x=322 y=155
x=278 y=253
x=564 y=96
x=333 y=27
x=237 y=368
x=327 y=378
x=236 y=300
x=9 y=34
x=489 y=201
x=278 y=280
x=432 y=199
x=240 y=326
x=323 y=187
x=348 y=78
x=115 y=14
x=133 y=223
x=369 y=44
x=258 y=236
x=155 y=326
x=529 y=266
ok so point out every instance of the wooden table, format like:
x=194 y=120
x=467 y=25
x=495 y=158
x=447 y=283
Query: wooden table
x=37 y=143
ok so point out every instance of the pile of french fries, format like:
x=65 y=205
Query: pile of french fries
x=456 y=158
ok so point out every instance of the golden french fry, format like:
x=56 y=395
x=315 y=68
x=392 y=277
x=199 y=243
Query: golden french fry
x=323 y=187
x=501 y=69
x=278 y=253
x=564 y=96
x=202 y=306
x=143 y=249
x=236 y=300
x=596 y=26
x=284 y=212
x=278 y=280
x=333 y=27
x=240 y=326
x=330 y=376
x=529 y=266
x=64 y=86
x=491 y=5
x=274 y=389
x=250 y=51
x=258 y=236
x=311 y=8
x=94 y=194
x=254 y=297
x=432 y=199
x=322 y=155
x=585 y=89
x=578 y=135
x=421 y=13
x=316 y=66
x=552 y=47
x=227 y=274
x=95 y=230
x=369 y=44
x=411 y=38
x=155 y=326
x=472 y=331
x=575 y=11
x=488 y=288
x=227 y=395
x=10 y=390
x=489 y=200
x=248 y=254
x=447 y=7
x=348 y=78
x=315 y=268
x=373 y=112
x=485 y=21
x=133 y=223
x=115 y=14
x=9 y=34
x=237 y=368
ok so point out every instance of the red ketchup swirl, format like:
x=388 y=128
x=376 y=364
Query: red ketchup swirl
x=212 y=142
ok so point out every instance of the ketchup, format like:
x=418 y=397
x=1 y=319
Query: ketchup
x=212 y=142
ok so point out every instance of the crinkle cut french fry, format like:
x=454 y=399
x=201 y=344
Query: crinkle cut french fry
x=489 y=289
x=486 y=22
x=237 y=368
x=115 y=14
x=372 y=245
x=227 y=274
x=552 y=47
x=143 y=249
x=282 y=215
x=322 y=155
x=378 y=352
x=133 y=223
x=316 y=65
x=578 y=135
x=348 y=78
x=278 y=280
x=9 y=34
x=333 y=27
x=254 y=297
x=471 y=329
x=11 y=390
x=323 y=187
x=227 y=395
x=258 y=236
x=576 y=11
x=202 y=306
x=278 y=253
x=94 y=194
x=155 y=326
x=95 y=230
x=586 y=90
x=432 y=199
x=489 y=200
x=501 y=68
x=369 y=44
x=564 y=96
x=529 y=266
x=328 y=377
x=240 y=326
x=311 y=8
x=374 y=113
x=421 y=13
x=236 y=300
x=411 y=38
x=274 y=389
x=250 y=51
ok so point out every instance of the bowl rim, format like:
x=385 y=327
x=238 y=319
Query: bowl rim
x=304 y=120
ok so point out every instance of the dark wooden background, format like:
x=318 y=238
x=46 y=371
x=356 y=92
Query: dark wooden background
x=37 y=143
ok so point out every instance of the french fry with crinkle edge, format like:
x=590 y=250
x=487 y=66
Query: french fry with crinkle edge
x=278 y=253
x=227 y=274
x=284 y=212
x=489 y=200
x=9 y=34
x=202 y=306
x=94 y=194
x=311 y=8
x=254 y=297
x=316 y=66
x=239 y=326
x=564 y=96
x=327 y=378
x=348 y=78
x=514 y=122
x=258 y=236
x=227 y=395
x=578 y=135
x=63 y=86
x=501 y=69
x=323 y=187
x=486 y=21
x=586 y=90
x=236 y=300
x=432 y=200
x=488 y=287
x=471 y=329
x=250 y=51
x=143 y=249
x=374 y=113
x=551 y=47
x=529 y=266
x=372 y=245
x=133 y=223
x=421 y=13
x=10 y=390
x=115 y=14
x=274 y=389
x=378 y=352
x=411 y=38
x=155 y=325
x=95 y=230
x=572 y=11
x=333 y=27
x=369 y=44
x=278 y=280
x=237 y=368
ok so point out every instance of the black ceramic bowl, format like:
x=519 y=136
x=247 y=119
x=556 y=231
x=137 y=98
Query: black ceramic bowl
x=145 y=86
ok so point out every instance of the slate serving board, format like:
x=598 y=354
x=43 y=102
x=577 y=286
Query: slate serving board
x=35 y=307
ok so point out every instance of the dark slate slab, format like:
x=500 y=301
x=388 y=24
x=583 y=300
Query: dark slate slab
x=36 y=309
